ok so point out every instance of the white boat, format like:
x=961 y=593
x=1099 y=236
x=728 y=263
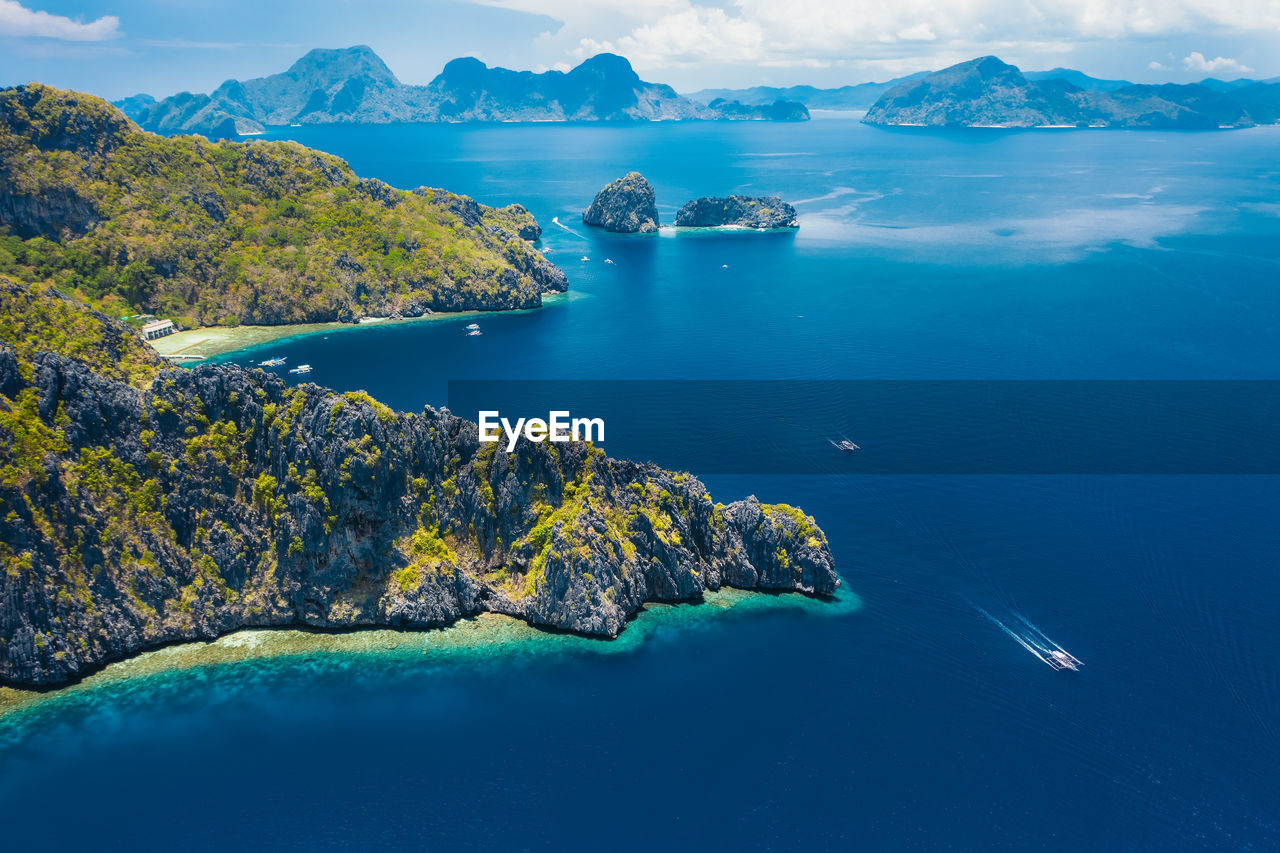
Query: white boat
x=1037 y=642
x=474 y=332
x=301 y=368
x=472 y=327
x=585 y=258
x=608 y=260
x=272 y=362
x=845 y=445
x=1059 y=659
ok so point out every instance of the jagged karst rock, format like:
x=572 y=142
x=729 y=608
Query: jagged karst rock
x=738 y=210
x=626 y=206
x=221 y=498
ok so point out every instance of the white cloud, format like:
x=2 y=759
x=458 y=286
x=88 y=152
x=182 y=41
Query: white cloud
x=690 y=35
x=920 y=32
x=17 y=20
x=881 y=33
x=1155 y=65
x=183 y=44
x=1197 y=62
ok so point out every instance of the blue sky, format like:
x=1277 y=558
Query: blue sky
x=119 y=47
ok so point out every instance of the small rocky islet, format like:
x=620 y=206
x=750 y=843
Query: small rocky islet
x=628 y=206
x=737 y=211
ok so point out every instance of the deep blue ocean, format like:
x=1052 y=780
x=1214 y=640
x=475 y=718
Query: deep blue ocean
x=911 y=722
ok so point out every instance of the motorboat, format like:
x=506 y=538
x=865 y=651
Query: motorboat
x=272 y=362
x=301 y=368
x=1059 y=659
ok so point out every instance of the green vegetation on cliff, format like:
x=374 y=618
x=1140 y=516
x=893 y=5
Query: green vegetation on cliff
x=226 y=233
x=37 y=318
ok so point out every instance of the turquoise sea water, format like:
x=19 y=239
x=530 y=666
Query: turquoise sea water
x=909 y=723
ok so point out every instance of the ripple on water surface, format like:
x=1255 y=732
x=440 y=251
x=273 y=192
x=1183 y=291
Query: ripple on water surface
x=252 y=662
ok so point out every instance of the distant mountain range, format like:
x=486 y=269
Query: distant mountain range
x=986 y=92
x=858 y=97
x=355 y=85
x=864 y=95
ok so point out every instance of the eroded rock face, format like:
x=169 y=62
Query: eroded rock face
x=626 y=206
x=739 y=210
x=56 y=214
x=221 y=498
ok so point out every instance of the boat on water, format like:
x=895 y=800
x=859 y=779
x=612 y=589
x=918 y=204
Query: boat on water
x=1059 y=659
x=608 y=260
x=301 y=368
x=1031 y=638
x=585 y=258
x=272 y=362
x=844 y=444
x=474 y=332
x=472 y=327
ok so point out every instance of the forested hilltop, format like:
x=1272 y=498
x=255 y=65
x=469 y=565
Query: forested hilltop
x=140 y=505
x=226 y=233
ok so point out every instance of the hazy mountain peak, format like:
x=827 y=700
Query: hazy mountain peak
x=607 y=65
x=988 y=67
x=463 y=65
x=335 y=65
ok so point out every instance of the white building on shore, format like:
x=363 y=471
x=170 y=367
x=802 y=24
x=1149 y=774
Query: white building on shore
x=158 y=329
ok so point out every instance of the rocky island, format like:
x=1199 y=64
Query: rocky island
x=737 y=211
x=626 y=206
x=141 y=505
x=262 y=232
x=779 y=110
x=986 y=92
x=857 y=97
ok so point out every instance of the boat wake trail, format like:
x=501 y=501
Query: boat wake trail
x=1035 y=641
x=555 y=220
